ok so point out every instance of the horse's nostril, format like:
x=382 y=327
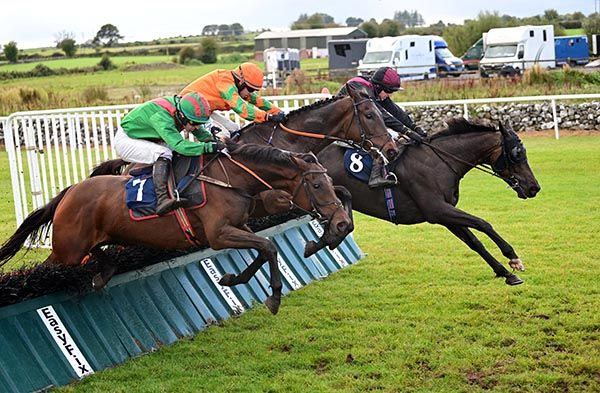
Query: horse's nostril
x=342 y=226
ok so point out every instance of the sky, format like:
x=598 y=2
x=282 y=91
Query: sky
x=36 y=23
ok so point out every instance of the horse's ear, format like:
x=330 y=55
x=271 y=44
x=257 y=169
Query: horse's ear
x=503 y=130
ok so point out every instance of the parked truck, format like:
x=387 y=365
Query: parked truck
x=511 y=50
x=413 y=57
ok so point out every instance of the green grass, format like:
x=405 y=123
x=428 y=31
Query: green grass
x=86 y=62
x=421 y=312
x=574 y=31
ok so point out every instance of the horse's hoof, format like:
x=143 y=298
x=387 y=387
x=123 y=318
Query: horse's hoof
x=273 y=304
x=517 y=264
x=227 y=280
x=513 y=280
x=310 y=248
x=98 y=282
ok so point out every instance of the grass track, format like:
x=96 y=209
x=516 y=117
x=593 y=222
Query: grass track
x=422 y=312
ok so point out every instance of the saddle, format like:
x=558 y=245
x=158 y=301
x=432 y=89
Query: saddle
x=140 y=194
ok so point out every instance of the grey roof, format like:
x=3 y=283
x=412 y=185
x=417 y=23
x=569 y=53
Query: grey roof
x=332 y=31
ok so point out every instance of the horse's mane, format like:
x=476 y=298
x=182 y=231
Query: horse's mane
x=260 y=154
x=302 y=109
x=460 y=125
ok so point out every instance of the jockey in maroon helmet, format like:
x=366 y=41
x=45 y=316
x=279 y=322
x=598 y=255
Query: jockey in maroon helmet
x=384 y=82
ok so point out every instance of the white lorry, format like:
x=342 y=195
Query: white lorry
x=413 y=57
x=511 y=50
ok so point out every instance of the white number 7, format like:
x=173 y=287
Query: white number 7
x=140 y=191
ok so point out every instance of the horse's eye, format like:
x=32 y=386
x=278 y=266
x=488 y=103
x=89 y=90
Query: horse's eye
x=317 y=185
x=369 y=115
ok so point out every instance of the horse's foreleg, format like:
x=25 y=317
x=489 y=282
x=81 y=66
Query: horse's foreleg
x=232 y=237
x=449 y=215
x=474 y=244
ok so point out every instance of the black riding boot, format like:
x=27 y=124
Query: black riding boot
x=376 y=179
x=160 y=175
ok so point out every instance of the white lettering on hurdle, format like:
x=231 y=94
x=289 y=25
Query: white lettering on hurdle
x=226 y=292
x=63 y=339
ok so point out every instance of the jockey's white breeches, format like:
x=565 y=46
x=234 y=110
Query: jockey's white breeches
x=139 y=150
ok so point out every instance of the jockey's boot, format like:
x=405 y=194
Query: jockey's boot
x=160 y=176
x=376 y=179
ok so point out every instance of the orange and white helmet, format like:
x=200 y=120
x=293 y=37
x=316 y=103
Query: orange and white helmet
x=250 y=75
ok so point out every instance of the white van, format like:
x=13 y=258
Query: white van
x=413 y=57
x=511 y=50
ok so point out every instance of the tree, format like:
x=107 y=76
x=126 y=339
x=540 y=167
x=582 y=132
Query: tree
x=65 y=41
x=11 y=52
x=237 y=29
x=224 y=30
x=461 y=37
x=353 y=22
x=409 y=19
x=389 y=27
x=551 y=15
x=371 y=28
x=208 y=50
x=315 y=21
x=108 y=35
x=210 y=30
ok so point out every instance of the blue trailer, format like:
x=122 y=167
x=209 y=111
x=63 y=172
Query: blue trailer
x=572 y=50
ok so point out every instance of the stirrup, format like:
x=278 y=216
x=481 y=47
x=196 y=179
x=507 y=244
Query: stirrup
x=392 y=177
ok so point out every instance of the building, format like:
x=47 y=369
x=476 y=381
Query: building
x=304 y=40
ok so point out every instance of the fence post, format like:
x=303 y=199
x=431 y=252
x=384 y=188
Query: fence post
x=556 y=135
x=465 y=111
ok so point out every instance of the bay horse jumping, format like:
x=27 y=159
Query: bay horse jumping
x=354 y=119
x=428 y=184
x=92 y=213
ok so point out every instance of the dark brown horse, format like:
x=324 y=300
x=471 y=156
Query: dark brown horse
x=428 y=184
x=92 y=213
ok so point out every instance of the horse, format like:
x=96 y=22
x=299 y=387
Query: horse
x=354 y=119
x=92 y=213
x=428 y=184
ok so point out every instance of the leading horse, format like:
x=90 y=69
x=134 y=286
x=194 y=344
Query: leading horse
x=92 y=213
x=428 y=184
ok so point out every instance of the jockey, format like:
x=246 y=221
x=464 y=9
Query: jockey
x=151 y=132
x=235 y=90
x=380 y=86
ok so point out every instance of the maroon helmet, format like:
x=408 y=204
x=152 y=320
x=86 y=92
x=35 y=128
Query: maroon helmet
x=388 y=79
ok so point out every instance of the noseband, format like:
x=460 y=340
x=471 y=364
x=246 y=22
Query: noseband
x=316 y=211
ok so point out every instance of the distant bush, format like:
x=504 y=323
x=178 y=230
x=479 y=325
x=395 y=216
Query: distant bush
x=11 y=52
x=42 y=70
x=106 y=63
x=537 y=75
x=186 y=54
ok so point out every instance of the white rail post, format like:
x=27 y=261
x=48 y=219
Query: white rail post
x=465 y=111
x=556 y=134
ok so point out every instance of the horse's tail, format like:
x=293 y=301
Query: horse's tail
x=34 y=225
x=110 y=167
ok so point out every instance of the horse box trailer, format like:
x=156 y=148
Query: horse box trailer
x=279 y=64
x=344 y=55
x=572 y=50
x=511 y=50
x=413 y=57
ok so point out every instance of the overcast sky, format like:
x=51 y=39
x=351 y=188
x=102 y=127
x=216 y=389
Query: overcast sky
x=36 y=23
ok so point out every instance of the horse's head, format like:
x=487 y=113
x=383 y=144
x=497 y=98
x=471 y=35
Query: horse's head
x=511 y=163
x=368 y=125
x=315 y=193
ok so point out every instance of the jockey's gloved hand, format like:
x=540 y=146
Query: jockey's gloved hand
x=277 y=117
x=418 y=139
x=421 y=131
x=215 y=130
x=217 y=146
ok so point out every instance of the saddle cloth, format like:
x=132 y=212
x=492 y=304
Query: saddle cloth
x=358 y=164
x=140 y=194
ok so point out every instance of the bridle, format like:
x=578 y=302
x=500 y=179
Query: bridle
x=509 y=157
x=316 y=206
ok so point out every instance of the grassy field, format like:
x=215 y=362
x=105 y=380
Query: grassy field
x=421 y=312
